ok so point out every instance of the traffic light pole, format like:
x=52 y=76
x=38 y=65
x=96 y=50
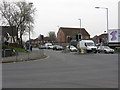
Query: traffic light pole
x=80 y=31
x=79 y=36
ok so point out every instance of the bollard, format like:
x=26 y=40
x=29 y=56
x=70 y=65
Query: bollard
x=82 y=51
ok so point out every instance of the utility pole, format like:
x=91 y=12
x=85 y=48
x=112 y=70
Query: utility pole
x=106 y=15
x=80 y=34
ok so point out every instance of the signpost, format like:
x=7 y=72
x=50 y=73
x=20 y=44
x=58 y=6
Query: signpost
x=114 y=36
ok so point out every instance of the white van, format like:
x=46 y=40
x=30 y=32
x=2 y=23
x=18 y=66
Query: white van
x=87 y=45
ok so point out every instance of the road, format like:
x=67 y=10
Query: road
x=62 y=70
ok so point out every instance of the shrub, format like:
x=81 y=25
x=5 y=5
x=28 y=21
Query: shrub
x=117 y=50
x=14 y=48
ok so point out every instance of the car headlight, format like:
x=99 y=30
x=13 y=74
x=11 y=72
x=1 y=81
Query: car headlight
x=113 y=50
x=107 y=50
x=89 y=48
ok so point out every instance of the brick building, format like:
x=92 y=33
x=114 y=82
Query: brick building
x=103 y=38
x=38 y=41
x=65 y=32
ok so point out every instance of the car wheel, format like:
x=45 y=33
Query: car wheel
x=98 y=51
x=95 y=51
x=105 y=51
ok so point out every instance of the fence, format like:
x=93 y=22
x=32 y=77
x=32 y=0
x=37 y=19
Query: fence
x=35 y=54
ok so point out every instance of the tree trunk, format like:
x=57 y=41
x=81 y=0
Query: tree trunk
x=12 y=34
x=17 y=33
x=21 y=40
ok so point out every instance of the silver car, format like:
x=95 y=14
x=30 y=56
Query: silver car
x=72 y=48
x=105 y=49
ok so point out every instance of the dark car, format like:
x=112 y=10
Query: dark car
x=57 y=47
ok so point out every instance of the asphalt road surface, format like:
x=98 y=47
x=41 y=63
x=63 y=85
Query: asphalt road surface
x=62 y=70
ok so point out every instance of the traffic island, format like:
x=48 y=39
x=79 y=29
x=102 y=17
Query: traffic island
x=66 y=50
x=12 y=61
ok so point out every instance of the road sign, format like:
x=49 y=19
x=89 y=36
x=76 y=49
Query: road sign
x=114 y=35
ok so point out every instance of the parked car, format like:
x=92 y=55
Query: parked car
x=42 y=47
x=47 y=45
x=105 y=49
x=50 y=46
x=54 y=47
x=57 y=47
x=72 y=48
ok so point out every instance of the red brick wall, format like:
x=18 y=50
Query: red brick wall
x=60 y=36
x=86 y=37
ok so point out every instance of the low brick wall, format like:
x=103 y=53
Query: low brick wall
x=35 y=54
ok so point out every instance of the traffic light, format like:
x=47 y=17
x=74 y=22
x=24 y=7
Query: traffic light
x=100 y=40
x=69 y=39
x=76 y=37
x=79 y=37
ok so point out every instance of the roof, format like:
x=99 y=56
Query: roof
x=113 y=29
x=74 y=31
x=101 y=36
x=8 y=29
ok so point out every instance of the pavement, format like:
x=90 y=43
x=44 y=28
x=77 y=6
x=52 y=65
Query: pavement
x=63 y=70
x=33 y=55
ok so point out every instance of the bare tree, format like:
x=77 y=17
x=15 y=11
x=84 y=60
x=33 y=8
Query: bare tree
x=52 y=35
x=7 y=19
x=19 y=14
x=27 y=17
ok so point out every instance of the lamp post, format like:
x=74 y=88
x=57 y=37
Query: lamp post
x=80 y=34
x=80 y=24
x=107 y=14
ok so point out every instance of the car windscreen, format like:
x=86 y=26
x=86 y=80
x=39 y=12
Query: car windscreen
x=106 y=47
x=90 y=44
x=72 y=47
x=59 y=46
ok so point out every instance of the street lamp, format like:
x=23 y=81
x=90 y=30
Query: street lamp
x=80 y=24
x=107 y=14
x=80 y=35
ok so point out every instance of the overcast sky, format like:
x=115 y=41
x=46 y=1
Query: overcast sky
x=65 y=13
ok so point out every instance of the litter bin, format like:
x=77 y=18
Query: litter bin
x=7 y=52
